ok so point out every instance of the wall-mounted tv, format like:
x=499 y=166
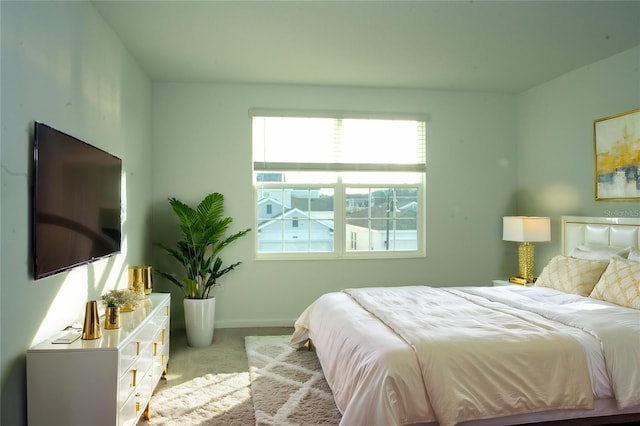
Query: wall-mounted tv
x=76 y=202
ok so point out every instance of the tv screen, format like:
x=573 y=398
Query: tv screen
x=76 y=202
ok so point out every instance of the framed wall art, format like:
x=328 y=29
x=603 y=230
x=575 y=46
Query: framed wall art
x=616 y=142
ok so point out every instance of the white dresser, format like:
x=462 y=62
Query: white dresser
x=108 y=381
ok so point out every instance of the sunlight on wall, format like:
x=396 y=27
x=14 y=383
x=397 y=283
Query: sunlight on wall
x=81 y=285
x=123 y=200
x=65 y=306
x=559 y=198
x=101 y=92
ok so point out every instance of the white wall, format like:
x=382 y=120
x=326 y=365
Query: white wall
x=62 y=65
x=202 y=143
x=555 y=152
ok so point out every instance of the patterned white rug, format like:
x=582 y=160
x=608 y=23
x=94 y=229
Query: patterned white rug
x=288 y=386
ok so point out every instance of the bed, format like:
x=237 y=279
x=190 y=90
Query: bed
x=491 y=355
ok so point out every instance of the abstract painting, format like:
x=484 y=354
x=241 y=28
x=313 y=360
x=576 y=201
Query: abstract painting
x=617 y=156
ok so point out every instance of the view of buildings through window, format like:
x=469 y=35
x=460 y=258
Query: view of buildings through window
x=302 y=220
x=332 y=202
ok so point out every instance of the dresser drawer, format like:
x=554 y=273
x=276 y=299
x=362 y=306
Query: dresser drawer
x=160 y=350
x=131 y=351
x=132 y=408
x=129 y=354
x=131 y=378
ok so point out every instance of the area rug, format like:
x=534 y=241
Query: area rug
x=210 y=400
x=287 y=385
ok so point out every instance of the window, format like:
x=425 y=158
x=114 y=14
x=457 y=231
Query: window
x=338 y=186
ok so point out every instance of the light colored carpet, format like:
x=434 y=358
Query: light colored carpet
x=213 y=399
x=212 y=386
x=287 y=385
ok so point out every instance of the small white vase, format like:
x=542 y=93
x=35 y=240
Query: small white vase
x=199 y=315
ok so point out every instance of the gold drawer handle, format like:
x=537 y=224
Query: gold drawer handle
x=155 y=348
x=162 y=339
x=137 y=348
x=134 y=378
x=137 y=403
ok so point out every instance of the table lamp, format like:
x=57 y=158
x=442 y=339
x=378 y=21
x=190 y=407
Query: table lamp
x=525 y=229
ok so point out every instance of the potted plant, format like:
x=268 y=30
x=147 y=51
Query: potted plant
x=114 y=300
x=204 y=235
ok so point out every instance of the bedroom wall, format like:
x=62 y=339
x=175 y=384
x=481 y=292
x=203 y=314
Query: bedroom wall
x=202 y=143
x=62 y=65
x=555 y=151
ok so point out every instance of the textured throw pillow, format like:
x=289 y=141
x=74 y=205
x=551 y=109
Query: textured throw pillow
x=599 y=252
x=571 y=275
x=619 y=284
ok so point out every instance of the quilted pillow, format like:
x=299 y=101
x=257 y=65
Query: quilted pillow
x=619 y=284
x=571 y=275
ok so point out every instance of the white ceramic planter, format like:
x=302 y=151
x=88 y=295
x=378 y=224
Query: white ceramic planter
x=199 y=315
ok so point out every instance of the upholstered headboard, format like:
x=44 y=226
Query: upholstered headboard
x=609 y=231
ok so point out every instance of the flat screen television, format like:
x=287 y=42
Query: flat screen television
x=76 y=202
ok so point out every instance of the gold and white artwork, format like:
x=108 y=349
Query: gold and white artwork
x=617 y=156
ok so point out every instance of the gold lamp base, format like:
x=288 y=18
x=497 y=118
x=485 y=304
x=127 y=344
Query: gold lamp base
x=521 y=280
x=525 y=265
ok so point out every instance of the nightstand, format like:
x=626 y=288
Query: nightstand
x=498 y=283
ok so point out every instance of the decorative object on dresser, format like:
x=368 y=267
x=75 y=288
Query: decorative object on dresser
x=617 y=157
x=525 y=229
x=91 y=327
x=102 y=382
x=140 y=279
x=115 y=300
x=203 y=238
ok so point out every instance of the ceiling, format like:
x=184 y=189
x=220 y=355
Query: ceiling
x=497 y=46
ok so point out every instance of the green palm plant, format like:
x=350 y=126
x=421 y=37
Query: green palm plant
x=204 y=236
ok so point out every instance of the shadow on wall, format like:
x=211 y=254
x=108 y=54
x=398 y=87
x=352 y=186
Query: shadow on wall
x=165 y=229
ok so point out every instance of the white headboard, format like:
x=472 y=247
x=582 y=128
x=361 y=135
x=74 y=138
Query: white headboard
x=609 y=231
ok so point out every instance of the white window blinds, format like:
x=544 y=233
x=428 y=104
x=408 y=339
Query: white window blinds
x=338 y=144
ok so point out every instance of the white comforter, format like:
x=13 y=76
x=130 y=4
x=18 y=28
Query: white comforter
x=405 y=355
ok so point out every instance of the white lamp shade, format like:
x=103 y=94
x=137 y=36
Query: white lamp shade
x=526 y=228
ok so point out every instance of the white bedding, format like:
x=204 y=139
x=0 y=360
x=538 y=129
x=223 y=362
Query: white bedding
x=378 y=378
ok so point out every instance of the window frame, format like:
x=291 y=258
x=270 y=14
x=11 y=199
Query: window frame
x=340 y=233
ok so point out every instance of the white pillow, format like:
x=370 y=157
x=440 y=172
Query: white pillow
x=599 y=252
x=619 y=284
x=572 y=275
x=634 y=255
